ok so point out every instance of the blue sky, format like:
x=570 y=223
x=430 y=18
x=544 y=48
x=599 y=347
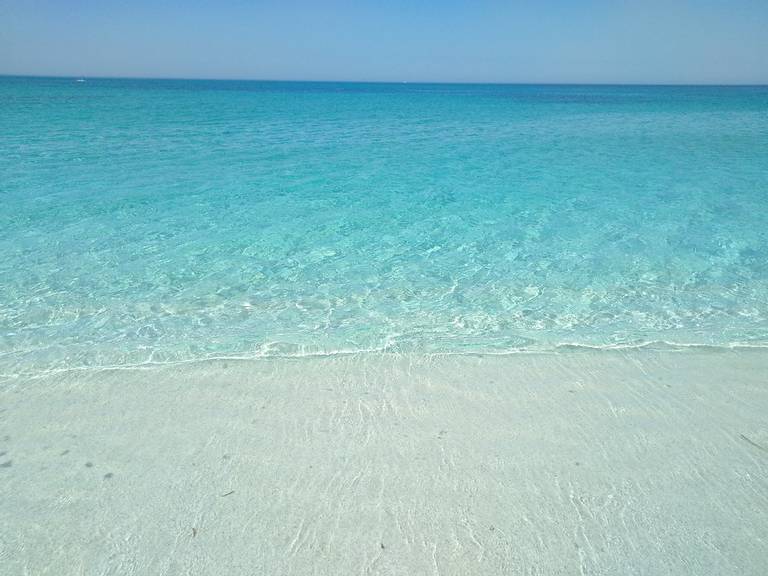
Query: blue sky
x=651 y=41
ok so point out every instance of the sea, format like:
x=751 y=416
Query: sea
x=160 y=221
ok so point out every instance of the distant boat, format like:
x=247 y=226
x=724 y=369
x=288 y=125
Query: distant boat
x=80 y=80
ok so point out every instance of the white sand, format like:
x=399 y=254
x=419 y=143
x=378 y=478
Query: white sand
x=595 y=463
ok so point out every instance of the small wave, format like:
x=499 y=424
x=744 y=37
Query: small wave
x=394 y=351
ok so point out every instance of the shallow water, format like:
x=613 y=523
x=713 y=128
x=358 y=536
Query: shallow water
x=174 y=220
x=611 y=462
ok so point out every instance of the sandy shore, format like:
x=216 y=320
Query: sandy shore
x=585 y=462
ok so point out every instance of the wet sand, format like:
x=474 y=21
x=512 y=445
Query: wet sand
x=643 y=462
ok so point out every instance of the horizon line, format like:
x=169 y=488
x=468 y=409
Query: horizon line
x=398 y=82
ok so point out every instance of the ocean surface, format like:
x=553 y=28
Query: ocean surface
x=158 y=221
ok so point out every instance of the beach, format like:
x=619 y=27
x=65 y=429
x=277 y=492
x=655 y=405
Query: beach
x=649 y=461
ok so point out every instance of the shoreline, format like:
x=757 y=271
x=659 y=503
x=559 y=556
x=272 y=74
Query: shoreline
x=657 y=346
x=601 y=462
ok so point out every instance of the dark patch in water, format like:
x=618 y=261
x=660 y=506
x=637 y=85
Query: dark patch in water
x=108 y=475
x=7 y=464
x=753 y=443
x=89 y=464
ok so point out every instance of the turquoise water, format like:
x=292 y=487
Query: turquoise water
x=153 y=221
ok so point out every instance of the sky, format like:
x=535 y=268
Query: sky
x=568 y=41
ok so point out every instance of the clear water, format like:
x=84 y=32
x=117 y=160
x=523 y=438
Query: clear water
x=153 y=221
